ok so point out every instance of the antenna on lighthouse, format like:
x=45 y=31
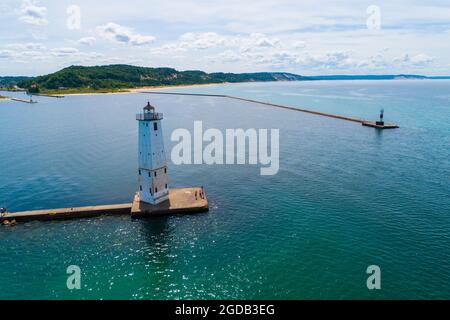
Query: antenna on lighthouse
x=149 y=107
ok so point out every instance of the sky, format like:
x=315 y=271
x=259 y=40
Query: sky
x=307 y=37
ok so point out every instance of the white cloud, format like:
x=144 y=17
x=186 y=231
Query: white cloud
x=64 y=52
x=5 y=54
x=26 y=46
x=403 y=59
x=421 y=59
x=300 y=38
x=228 y=56
x=120 y=34
x=87 y=41
x=213 y=40
x=24 y=53
x=168 y=49
x=260 y=40
x=31 y=13
x=287 y=53
x=204 y=40
x=255 y=42
x=209 y=40
x=330 y=60
x=299 y=44
x=283 y=59
x=418 y=60
x=377 y=61
x=86 y=58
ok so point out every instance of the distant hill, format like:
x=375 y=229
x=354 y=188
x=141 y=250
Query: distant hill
x=372 y=77
x=9 y=82
x=117 y=77
x=126 y=76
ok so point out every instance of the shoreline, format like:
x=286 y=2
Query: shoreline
x=135 y=90
x=163 y=87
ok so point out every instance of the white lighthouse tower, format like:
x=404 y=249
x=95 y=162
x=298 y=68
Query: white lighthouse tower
x=153 y=179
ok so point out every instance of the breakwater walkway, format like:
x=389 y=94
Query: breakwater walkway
x=181 y=201
x=65 y=213
x=318 y=113
x=22 y=100
x=49 y=95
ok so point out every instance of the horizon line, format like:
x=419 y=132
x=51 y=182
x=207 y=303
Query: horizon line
x=247 y=72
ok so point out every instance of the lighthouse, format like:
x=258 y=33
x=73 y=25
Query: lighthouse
x=152 y=172
x=153 y=196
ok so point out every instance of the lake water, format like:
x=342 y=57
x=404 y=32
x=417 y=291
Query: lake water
x=345 y=197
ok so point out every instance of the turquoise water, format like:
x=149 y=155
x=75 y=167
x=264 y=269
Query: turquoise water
x=345 y=197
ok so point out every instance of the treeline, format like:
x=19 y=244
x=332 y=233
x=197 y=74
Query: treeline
x=10 y=82
x=126 y=76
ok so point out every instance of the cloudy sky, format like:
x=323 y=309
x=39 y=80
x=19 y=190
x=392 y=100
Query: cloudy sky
x=308 y=37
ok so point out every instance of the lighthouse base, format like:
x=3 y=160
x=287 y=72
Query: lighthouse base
x=181 y=201
x=379 y=125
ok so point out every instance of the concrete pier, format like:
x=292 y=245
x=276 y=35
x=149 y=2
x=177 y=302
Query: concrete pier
x=49 y=95
x=66 y=213
x=23 y=100
x=318 y=113
x=379 y=126
x=181 y=201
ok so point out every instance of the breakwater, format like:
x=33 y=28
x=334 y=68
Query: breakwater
x=318 y=113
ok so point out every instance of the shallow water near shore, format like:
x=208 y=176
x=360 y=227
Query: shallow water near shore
x=345 y=197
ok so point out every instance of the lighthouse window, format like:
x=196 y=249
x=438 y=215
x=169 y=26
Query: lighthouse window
x=139 y=172
x=155 y=173
x=166 y=185
x=156 y=190
x=149 y=175
x=165 y=170
x=155 y=126
x=140 y=188
x=151 y=191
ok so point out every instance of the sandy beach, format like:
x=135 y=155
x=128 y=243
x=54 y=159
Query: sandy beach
x=138 y=90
